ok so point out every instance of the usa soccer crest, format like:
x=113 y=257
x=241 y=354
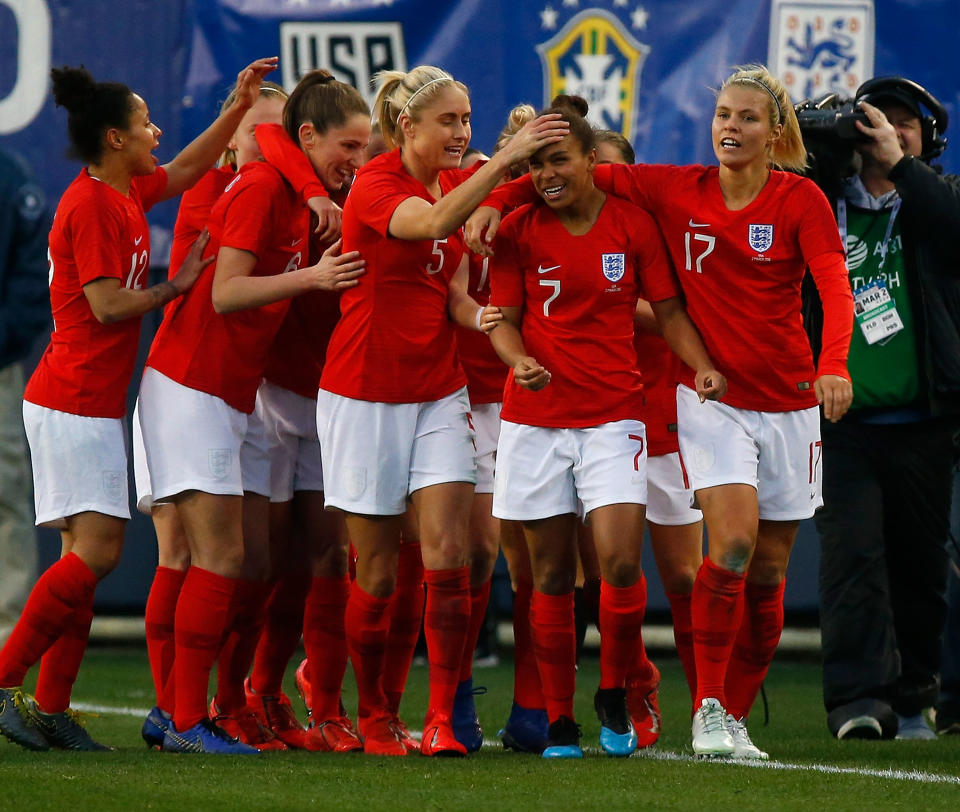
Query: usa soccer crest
x=614 y=266
x=760 y=237
x=819 y=47
x=595 y=56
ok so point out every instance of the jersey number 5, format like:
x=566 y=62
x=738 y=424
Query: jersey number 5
x=705 y=238
x=437 y=251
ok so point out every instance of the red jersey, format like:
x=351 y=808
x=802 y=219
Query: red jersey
x=579 y=295
x=661 y=372
x=195 y=206
x=394 y=342
x=485 y=371
x=97 y=233
x=224 y=354
x=740 y=272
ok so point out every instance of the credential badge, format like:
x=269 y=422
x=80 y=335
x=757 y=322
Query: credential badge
x=761 y=237
x=614 y=266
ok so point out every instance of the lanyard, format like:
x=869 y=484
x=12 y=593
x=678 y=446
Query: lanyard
x=842 y=225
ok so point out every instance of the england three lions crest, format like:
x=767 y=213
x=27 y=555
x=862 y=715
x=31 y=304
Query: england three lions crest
x=596 y=57
x=614 y=266
x=760 y=237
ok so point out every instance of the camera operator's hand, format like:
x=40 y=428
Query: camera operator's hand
x=884 y=145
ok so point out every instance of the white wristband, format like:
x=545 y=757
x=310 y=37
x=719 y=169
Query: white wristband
x=479 y=315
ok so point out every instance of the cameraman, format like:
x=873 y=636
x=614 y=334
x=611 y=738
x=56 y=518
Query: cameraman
x=887 y=463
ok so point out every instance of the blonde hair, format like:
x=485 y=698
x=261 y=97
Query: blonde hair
x=408 y=93
x=788 y=151
x=516 y=118
x=267 y=89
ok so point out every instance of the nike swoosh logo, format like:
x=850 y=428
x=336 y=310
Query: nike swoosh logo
x=698 y=225
x=296 y=242
x=138 y=239
x=541 y=269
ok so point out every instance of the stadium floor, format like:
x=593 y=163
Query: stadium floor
x=809 y=767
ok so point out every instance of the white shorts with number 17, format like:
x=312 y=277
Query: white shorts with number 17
x=778 y=453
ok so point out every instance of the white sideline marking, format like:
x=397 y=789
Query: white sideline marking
x=662 y=755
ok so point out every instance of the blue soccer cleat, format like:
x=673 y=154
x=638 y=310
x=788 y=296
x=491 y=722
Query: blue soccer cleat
x=205 y=737
x=155 y=727
x=617 y=736
x=526 y=731
x=466 y=725
x=563 y=740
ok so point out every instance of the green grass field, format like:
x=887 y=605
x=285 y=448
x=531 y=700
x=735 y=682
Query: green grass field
x=810 y=769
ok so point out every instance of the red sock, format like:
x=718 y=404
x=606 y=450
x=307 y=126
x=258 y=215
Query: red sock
x=621 y=619
x=66 y=586
x=282 y=627
x=683 y=638
x=716 y=606
x=479 y=600
x=325 y=641
x=555 y=644
x=199 y=627
x=158 y=622
x=61 y=664
x=755 y=646
x=367 y=624
x=240 y=644
x=446 y=621
x=527 y=691
x=406 y=620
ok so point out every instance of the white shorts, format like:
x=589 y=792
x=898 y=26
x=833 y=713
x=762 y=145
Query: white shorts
x=543 y=472
x=141 y=472
x=79 y=464
x=376 y=454
x=486 y=424
x=669 y=492
x=290 y=421
x=196 y=441
x=778 y=453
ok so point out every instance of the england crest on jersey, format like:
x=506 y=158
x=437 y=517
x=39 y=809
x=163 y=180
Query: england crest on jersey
x=595 y=55
x=614 y=266
x=761 y=237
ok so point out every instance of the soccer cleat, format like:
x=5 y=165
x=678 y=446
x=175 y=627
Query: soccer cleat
x=644 y=704
x=333 y=736
x=154 y=728
x=275 y=713
x=402 y=732
x=16 y=723
x=64 y=730
x=303 y=687
x=438 y=738
x=466 y=725
x=617 y=736
x=914 y=728
x=743 y=746
x=526 y=731
x=709 y=730
x=563 y=739
x=376 y=733
x=205 y=737
x=244 y=726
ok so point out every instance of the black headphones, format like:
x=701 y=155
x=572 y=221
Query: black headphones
x=932 y=127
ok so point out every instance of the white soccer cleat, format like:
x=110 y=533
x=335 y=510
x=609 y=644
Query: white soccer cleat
x=709 y=730
x=743 y=747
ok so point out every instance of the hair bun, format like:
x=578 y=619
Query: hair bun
x=73 y=88
x=577 y=104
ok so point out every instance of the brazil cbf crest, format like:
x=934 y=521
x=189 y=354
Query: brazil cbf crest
x=761 y=237
x=595 y=55
x=614 y=266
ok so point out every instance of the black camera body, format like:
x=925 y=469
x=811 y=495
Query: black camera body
x=830 y=118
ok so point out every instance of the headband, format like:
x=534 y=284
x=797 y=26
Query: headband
x=420 y=90
x=766 y=87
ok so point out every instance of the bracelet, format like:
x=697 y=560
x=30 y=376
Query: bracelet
x=479 y=315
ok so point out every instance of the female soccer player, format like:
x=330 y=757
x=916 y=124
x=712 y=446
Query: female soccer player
x=75 y=402
x=741 y=236
x=208 y=358
x=392 y=411
x=567 y=276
